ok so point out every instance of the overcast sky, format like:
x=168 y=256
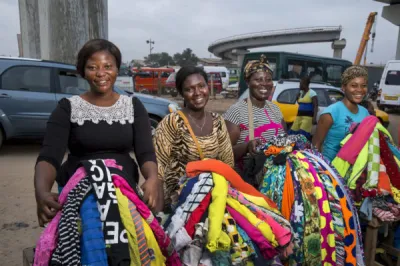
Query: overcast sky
x=178 y=24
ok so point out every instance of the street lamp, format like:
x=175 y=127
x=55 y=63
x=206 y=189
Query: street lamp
x=150 y=42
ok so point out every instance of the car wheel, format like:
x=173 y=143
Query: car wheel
x=154 y=123
x=1 y=137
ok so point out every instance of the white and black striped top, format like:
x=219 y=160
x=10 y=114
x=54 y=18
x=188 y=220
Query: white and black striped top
x=267 y=120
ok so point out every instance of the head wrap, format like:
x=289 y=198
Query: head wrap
x=354 y=72
x=256 y=66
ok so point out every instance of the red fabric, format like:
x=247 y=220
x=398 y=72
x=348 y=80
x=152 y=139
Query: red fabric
x=211 y=165
x=196 y=215
x=388 y=160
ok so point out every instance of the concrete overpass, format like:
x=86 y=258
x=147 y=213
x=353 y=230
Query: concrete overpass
x=235 y=47
x=391 y=12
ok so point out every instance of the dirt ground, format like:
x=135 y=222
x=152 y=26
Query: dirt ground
x=18 y=224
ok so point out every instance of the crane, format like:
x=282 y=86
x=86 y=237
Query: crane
x=371 y=21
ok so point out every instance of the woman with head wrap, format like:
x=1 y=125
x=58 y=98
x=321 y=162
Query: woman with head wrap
x=335 y=121
x=255 y=120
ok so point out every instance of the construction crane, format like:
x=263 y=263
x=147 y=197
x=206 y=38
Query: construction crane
x=371 y=21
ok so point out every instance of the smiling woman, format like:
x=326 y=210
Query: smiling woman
x=335 y=121
x=255 y=120
x=190 y=134
x=99 y=128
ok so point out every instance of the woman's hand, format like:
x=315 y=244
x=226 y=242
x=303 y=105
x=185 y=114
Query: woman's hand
x=153 y=193
x=252 y=146
x=47 y=206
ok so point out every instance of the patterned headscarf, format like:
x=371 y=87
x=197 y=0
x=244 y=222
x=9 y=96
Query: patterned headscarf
x=256 y=66
x=354 y=72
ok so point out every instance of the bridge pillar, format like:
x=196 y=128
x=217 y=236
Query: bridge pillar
x=392 y=14
x=239 y=53
x=338 y=46
x=57 y=29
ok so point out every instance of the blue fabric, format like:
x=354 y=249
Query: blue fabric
x=366 y=208
x=395 y=150
x=342 y=120
x=306 y=107
x=93 y=248
x=182 y=197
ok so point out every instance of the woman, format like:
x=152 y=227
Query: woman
x=189 y=135
x=265 y=117
x=308 y=110
x=335 y=121
x=99 y=124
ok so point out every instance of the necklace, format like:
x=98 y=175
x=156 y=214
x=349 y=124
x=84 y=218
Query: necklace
x=194 y=120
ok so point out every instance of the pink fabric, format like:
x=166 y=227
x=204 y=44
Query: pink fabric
x=48 y=239
x=352 y=148
x=162 y=239
x=266 y=249
x=282 y=234
x=263 y=128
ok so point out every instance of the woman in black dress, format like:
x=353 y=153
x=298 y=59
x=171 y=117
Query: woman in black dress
x=99 y=124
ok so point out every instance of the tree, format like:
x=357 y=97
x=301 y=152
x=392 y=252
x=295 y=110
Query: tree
x=186 y=58
x=159 y=59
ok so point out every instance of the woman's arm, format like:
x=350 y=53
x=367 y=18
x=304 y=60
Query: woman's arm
x=146 y=157
x=324 y=124
x=315 y=107
x=239 y=150
x=49 y=161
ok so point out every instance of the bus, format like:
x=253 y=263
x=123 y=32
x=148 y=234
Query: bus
x=295 y=66
x=149 y=79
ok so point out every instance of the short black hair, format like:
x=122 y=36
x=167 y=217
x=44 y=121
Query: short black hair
x=94 y=46
x=185 y=72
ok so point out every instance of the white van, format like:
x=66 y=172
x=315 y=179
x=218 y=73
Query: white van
x=389 y=87
x=224 y=73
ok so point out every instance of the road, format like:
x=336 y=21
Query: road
x=18 y=224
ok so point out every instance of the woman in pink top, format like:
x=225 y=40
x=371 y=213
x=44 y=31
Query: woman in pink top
x=267 y=117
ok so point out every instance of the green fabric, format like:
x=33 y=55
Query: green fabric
x=312 y=237
x=374 y=160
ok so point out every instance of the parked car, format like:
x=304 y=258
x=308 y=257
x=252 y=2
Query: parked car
x=171 y=87
x=389 y=86
x=285 y=95
x=30 y=90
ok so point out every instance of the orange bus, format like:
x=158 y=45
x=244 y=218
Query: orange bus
x=149 y=79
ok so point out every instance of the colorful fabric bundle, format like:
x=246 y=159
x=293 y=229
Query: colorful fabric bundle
x=221 y=220
x=314 y=198
x=103 y=222
x=369 y=162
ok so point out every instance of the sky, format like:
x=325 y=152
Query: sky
x=175 y=25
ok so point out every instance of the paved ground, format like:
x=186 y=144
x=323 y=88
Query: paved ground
x=18 y=224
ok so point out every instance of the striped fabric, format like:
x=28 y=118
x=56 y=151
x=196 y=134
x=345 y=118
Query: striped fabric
x=141 y=238
x=238 y=115
x=68 y=247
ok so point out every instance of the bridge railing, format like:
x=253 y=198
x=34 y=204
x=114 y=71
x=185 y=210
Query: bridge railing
x=276 y=32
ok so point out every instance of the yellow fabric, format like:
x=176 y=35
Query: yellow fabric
x=152 y=244
x=396 y=193
x=127 y=221
x=216 y=238
x=361 y=162
x=260 y=202
x=264 y=228
x=303 y=123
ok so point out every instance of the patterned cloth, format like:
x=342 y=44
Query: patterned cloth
x=256 y=66
x=373 y=161
x=68 y=249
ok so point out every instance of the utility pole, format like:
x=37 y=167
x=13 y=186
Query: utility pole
x=150 y=42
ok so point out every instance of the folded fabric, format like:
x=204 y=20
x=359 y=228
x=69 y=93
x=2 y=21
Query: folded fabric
x=215 y=166
x=349 y=152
